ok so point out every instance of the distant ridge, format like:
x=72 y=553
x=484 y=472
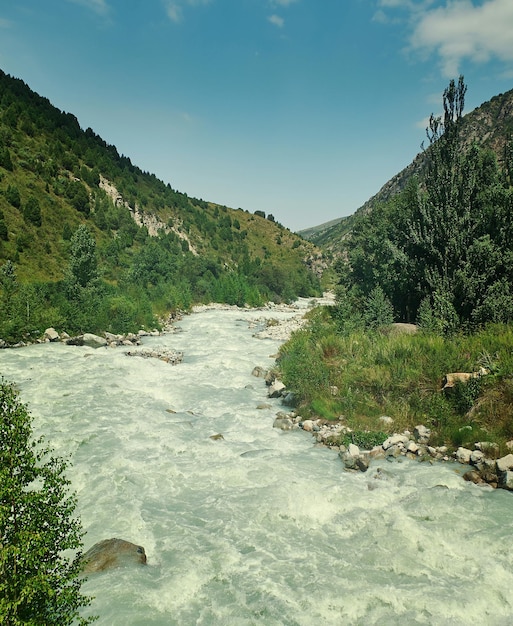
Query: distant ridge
x=308 y=233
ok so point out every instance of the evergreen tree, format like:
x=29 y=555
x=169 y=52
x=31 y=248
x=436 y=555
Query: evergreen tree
x=38 y=584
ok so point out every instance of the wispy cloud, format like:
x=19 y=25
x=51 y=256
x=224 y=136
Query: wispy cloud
x=98 y=6
x=175 y=8
x=5 y=23
x=457 y=30
x=276 y=20
x=461 y=31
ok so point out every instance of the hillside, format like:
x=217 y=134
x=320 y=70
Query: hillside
x=490 y=126
x=150 y=240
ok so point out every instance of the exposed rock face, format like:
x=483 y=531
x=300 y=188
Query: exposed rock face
x=111 y=553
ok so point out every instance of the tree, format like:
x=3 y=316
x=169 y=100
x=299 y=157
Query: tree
x=83 y=263
x=378 y=310
x=38 y=584
x=5 y=159
x=9 y=285
x=12 y=195
x=32 y=211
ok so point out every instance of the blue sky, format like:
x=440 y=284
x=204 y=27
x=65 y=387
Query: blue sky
x=299 y=108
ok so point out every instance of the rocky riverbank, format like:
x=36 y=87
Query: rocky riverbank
x=483 y=463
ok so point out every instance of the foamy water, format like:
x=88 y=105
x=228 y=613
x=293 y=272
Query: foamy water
x=260 y=527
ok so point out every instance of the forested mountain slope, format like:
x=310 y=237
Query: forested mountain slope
x=151 y=243
x=490 y=126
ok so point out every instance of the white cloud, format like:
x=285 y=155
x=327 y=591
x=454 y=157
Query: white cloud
x=174 y=11
x=411 y=5
x=461 y=31
x=99 y=6
x=175 y=8
x=276 y=20
x=282 y=3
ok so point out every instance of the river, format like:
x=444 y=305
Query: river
x=260 y=527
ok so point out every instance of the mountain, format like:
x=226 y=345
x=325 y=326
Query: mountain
x=315 y=231
x=490 y=126
x=153 y=244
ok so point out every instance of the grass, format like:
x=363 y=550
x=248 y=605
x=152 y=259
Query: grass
x=401 y=376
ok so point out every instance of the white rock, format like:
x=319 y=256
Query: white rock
x=51 y=334
x=412 y=447
x=308 y=425
x=505 y=463
x=275 y=390
x=94 y=341
x=421 y=434
x=463 y=455
x=395 y=440
x=476 y=457
x=283 y=423
x=353 y=450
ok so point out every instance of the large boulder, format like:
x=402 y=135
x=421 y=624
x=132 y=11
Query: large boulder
x=51 y=334
x=94 y=341
x=421 y=434
x=276 y=389
x=87 y=339
x=111 y=553
x=283 y=422
x=505 y=463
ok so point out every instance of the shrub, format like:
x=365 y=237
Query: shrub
x=38 y=583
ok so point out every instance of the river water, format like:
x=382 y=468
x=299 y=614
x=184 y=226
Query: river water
x=260 y=527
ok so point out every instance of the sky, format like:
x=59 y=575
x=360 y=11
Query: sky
x=299 y=108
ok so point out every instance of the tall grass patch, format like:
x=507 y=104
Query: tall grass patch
x=362 y=376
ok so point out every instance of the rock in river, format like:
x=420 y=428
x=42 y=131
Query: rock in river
x=111 y=553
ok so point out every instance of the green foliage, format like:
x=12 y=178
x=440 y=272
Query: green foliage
x=38 y=583
x=32 y=211
x=437 y=314
x=5 y=158
x=401 y=376
x=4 y=233
x=378 y=309
x=441 y=249
x=83 y=265
x=12 y=195
x=364 y=439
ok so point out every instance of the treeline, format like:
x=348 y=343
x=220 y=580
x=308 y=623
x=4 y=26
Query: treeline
x=160 y=280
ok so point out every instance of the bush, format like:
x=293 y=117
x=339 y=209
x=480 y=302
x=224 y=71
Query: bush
x=32 y=211
x=38 y=584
